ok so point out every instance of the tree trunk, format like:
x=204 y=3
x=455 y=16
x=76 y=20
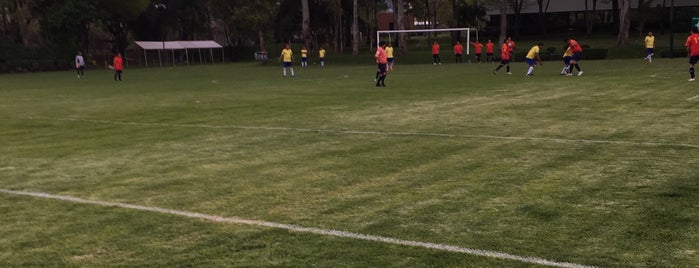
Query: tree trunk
x=306 y=25
x=624 y=22
x=503 y=20
x=615 y=15
x=399 y=10
x=261 y=39
x=355 y=29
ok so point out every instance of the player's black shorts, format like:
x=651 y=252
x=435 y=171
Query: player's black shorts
x=577 y=56
x=381 y=67
x=504 y=61
x=693 y=59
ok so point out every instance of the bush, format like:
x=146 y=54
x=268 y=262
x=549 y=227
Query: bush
x=17 y=58
x=595 y=54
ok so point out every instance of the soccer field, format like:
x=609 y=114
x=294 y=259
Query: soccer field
x=447 y=166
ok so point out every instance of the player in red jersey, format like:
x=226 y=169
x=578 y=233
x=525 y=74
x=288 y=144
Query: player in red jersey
x=478 y=48
x=435 y=53
x=458 y=50
x=692 y=45
x=574 y=47
x=504 y=58
x=489 y=49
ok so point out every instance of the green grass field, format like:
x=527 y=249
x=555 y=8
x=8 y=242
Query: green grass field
x=596 y=170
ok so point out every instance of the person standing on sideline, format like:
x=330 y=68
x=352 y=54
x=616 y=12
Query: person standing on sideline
x=504 y=58
x=533 y=58
x=381 y=61
x=321 y=56
x=287 y=59
x=435 y=53
x=118 y=64
x=80 y=64
x=458 y=50
x=304 y=56
x=389 y=56
x=650 y=47
x=489 y=49
x=692 y=45
x=477 y=48
x=577 y=55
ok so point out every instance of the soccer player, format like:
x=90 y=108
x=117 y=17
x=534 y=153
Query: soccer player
x=533 y=58
x=478 y=48
x=80 y=64
x=389 y=56
x=118 y=64
x=577 y=54
x=567 y=56
x=692 y=45
x=511 y=45
x=435 y=53
x=381 y=61
x=287 y=59
x=504 y=58
x=458 y=50
x=304 y=56
x=489 y=49
x=650 y=47
x=321 y=56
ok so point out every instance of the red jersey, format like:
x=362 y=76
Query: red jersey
x=478 y=47
x=692 y=44
x=458 y=49
x=505 y=52
x=118 y=63
x=574 y=46
x=489 y=47
x=511 y=45
x=435 y=49
x=380 y=55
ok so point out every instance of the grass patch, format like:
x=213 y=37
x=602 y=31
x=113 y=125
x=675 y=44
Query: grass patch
x=599 y=169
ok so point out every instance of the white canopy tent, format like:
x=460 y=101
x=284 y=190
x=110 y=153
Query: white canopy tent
x=163 y=46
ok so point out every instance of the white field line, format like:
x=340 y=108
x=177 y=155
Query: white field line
x=301 y=229
x=693 y=98
x=383 y=133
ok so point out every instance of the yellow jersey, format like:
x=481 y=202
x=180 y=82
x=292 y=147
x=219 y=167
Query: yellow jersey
x=389 y=52
x=650 y=41
x=286 y=55
x=321 y=53
x=568 y=53
x=304 y=53
x=532 y=52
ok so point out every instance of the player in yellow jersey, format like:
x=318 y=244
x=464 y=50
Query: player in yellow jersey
x=304 y=56
x=650 y=47
x=321 y=56
x=287 y=59
x=567 y=56
x=389 y=55
x=533 y=58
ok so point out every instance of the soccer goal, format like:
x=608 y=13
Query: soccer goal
x=465 y=43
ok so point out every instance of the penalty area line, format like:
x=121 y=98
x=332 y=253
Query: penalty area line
x=693 y=98
x=301 y=229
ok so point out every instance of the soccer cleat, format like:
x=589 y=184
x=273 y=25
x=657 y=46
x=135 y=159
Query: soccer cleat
x=691 y=79
x=580 y=73
x=509 y=73
x=495 y=72
x=569 y=74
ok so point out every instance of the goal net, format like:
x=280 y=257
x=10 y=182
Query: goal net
x=465 y=43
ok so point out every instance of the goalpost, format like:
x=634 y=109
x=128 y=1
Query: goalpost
x=467 y=30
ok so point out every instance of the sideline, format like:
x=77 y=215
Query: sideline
x=383 y=133
x=301 y=229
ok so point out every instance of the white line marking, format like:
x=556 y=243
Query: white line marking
x=693 y=98
x=387 y=133
x=301 y=229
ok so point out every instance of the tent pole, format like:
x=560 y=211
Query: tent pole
x=160 y=58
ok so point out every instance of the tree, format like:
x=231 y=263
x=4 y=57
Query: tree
x=503 y=20
x=517 y=7
x=590 y=16
x=542 y=11
x=398 y=12
x=355 y=27
x=624 y=22
x=306 y=24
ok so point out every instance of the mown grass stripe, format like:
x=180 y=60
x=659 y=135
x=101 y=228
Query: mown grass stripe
x=385 y=133
x=296 y=228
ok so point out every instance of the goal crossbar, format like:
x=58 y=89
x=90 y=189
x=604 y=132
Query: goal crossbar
x=467 y=30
